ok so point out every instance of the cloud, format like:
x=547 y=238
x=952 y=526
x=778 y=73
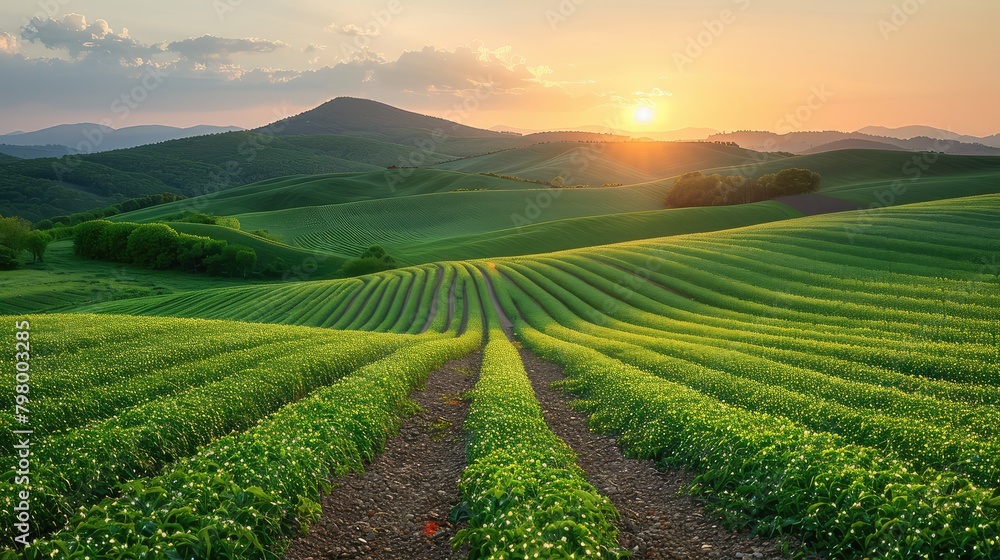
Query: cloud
x=370 y=30
x=314 y=48
x=219 y=49
x=429 y=80
x=8 y=43
x=80 y=38
x=655 y=92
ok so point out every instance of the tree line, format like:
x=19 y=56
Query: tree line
x=16 y=237
x=159 y=246
x=108 y=211
x=696 y=189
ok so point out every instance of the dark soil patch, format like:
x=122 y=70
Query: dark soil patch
x=398 y=508
x=657 y=520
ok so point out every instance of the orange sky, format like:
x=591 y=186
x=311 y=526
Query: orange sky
x=722 y=64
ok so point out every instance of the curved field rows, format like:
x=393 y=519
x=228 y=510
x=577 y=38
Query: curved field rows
x=835 y=382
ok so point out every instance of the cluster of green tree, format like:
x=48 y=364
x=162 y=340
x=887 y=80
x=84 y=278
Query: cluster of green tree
x=108 y=211
x=516 y=178
x=374 y=259
x=16 y=236
x=203 y=218
x=159 y=246
x=696 y=189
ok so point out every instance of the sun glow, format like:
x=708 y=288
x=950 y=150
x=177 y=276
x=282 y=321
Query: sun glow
x=644 y=115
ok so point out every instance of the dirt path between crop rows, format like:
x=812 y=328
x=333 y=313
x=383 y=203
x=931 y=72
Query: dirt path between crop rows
x=656 y=522
x=387 y=512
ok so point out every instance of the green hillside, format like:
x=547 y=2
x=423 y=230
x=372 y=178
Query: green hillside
x=790 y=366
x=596 y=164
x=327 y=264
x=857 y=174
x=66 y=281
x=371 y=119
x=573 y=233
x=401 y=222
x=299 y=191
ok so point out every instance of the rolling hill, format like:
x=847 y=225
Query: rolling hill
x=370 y=119
x=99 y=138
x=801 y=142
x=595 y=164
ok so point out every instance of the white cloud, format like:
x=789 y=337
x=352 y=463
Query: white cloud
x=211 y=48
x=371 y=30
x=8 y=43
x=203 y=80
x=80 y=39
x=313 y=48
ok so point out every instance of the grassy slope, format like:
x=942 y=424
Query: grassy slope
x=307 y=211
x=598 y=164
x=401 y=223
x=65 y=281
x=831 y=226
x=857 y=175
x=573 y=233
x=319 y=190
x=267 y=250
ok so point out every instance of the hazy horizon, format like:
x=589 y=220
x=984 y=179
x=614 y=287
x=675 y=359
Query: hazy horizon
x=724 y=64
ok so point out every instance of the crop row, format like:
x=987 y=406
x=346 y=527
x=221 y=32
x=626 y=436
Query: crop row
x=766 y=386
x=870 y=360
x=243 y=495
x=85 y=464
x=524 y=494
x=847 y=501
x=785 y=363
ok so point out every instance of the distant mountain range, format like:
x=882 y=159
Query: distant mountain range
x=91 y=137
x=342 y=135
x=909 y=138
x=908 y=132
x=828 y=141
x=679 y=135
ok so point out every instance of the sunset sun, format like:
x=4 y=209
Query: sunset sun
x=644 y=115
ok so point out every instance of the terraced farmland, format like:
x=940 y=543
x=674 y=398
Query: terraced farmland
x=830 y=379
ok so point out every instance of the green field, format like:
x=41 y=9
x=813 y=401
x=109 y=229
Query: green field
x=831 y=379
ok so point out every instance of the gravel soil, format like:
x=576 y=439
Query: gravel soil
x=398 y=508
x=657 y=520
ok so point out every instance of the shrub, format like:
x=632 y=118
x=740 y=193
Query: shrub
x=89 y=239
x=153 y=246
x=115 y=240
x=8 y=258
x=374 y=259
x=360 y=267
x=37 y=242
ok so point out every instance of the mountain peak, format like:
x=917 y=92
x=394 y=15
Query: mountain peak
x=352 y=116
